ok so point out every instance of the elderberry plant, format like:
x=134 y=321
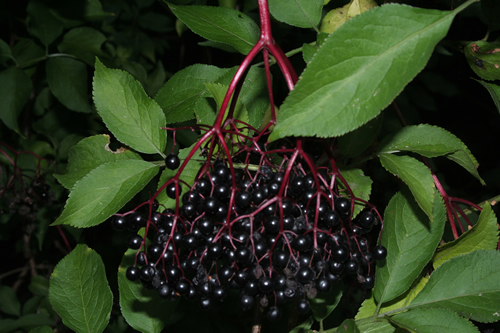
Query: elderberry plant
x=248 y=192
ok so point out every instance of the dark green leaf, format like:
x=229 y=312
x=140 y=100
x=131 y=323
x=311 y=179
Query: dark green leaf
x=94 y=11
x=348 y=326
x=104 y=190
x=299 y=13
x=324 y=304
x=41 y=329
x=67 y=80
x=143 y=309
x=33 y=320
x=27 y=52
x=494 y=91
x=483 y=236
x=5 y=53
x=156 y=79
x=354 y=143
x=484 y=59
x=375 y=327
x=179 y=95
x=43 y=24
x=39 y=285
x=305 y=327
x=15 y=89
x=360 y=185
x=224 y=25
x=155 y=22
x=88 y=154
x=84 y=43
x=433 y=320
x=491 y=8
x=79 y=291
x=410 y=239
x=467 y=284
x=416 y=175
x=354 y=76
x=308 y=52
x=9 y=304
x=133 y=117
x=431 y=141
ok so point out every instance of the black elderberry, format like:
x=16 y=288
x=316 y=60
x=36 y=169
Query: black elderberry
x=260 y=248
x=280 y=258
x=205 y=304
x=340 y=253
x=287 y=207
x=333 y=278
x=223 y=192
x=246 y=302
x=219 y=293
x=136 y=221
x=119 y=222
x=274 y=188
x=288 y=222
x=205 y=289
x=366 y=220
x=304 y=275
x=307 y=196
x=323 y=285
x=243 y=199
x=190 y=241
x=302 y=306
x=173 y=190
x=211 y=205
x=266 y=284
x=215 y=179
x=168 y=256
x=246 y=185
x=178 y=238
x=304 y=260
x=273 y=313
x=205 y=225
x=173 y=273
x=368 y=256
x=189 y=209
x=182 y=287
x=214 y=251
x=204 y=186
x=172 y=161
x=302 y=243
x=343 y=206
x=134 y=242
x=331 y=219
x=132 y=273
x=351 y=266
x=241 y=237
x=222 y=172
x=165 y=291
x=336 y=267
x=297 y=184
x=192 y=294
x=280 y=297
x=379 y=252
x=225 y=273
x=243 y=255
x=358 y=231
x=191 y=196
x=309 y=180
x=141 y=258
x=259 y=195
x=270 y=210
x=272 y=224
x=154 y=251
x=251 y=288
x=146 y=273
x=241 y=277
x=321 y=266
x=369 y=282
x=192 y=264
x=229 y=255
x=280 y=282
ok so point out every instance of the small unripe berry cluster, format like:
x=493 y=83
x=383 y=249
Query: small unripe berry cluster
x=277 y=232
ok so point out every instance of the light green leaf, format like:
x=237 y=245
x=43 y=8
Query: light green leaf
x=410 y=239
x=133 y=117
x=484 y=59
x=104 y=190
x=416 y=175
x=360 y=69
x=143 y=309
x=494 y=91
x=324 y=304
x=88 y=154
x=299 y=13
x=375 y=327
x=84 y=43
x=218 y=92
x=467 y=284
x=224 y=25
x=67 y=80
x=433 y=320
x=354 y=143
x=360 y=185
x=431 y=141
x=15 y=89
x=482 y=236
x=308 y=52
x=179 y=95
x=79 y=291
x=9 y=304
x=42 y=23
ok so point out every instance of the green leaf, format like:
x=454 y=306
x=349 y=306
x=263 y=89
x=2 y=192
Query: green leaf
x=484 y=59
x=305 y=327
x=360 y=185
x=27 y=52
x=299 y=13
x=88 y=154
x=375 y=327
x=348 y=326
x=179 y=95
x=15 y=89
x=67 y=80
x=5 y=53
x=42 y=23
x=416 y=175
x=155 y=22
x=79 y=291
x=104 y=190
x=218 y=92
x=410 y=239
x=482 y=236
x=494 y=91
x=84 y=43
x=132 y=117
x=94 y=11
x=224 y=25
x=468 y=284
x=41 y=329
x=324 y=304
x=143 y=309
x=33 y=320
x=9 y=303
x=431 y=141
x=433 y=320
x=39 y=285
x=352 y=144
x=308 y=52
x=354 y=75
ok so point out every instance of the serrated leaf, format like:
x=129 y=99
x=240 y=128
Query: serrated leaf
x=375 y=327
x=133 y=118
x=299 y=13
x=43 y=24
x=467 y=284
x=494 y=91
x=308 y=52
x=67 y=80
x=84 y=43
x=9 y=304
x=324 y=304
x=88 y=154
x=360 y=185
x=354 y=75
x=143 y=309
x=414 y=174
x=79 y=291
x=348 y=326
x=15 y=89
x=431 y=141
x=104 y=190
x=224 y=25
x=338 y=16
x=410 y=239
x=354 y=143
x=433 y=320
x=218 y=91
x=482 y=236
x=484 y=59
x=179 y=95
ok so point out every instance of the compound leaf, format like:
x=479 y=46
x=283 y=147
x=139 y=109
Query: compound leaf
x=410 y=239
x=433 y=320
x=128 y=112
x=219 y=24
x=79 y=291
x=84 y=43
x=360 y=69
x=299 y=13
x=104 y=190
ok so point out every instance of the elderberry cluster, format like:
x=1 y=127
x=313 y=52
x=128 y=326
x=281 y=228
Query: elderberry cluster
x=281 y=232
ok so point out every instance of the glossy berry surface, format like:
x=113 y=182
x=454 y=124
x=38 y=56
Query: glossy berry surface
x=172 y=161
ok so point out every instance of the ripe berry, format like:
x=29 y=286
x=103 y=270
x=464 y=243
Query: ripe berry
x=323 y=285
x=251 y=288
x=132 y=273
x=379 y=252
x=302 y=243
x=225 y=273
x=205 y=303
x=304 y=275
x=343 y=205
x=340 y=253
x=366 y=220
x=146 y=273
x=134 y=242
x=173 y=190
x=119 y=223
x=243 y=199
x=219 y=293
x=369 y=282
x=272 y=224
x=165 y=291
x=246 y=302
x=280 y=282
x=351 y=266
x=266 y=284
x=182 y=287
x=214 y=251
x=280 y=258
x=172 y=161
x=303 y=306
x=243 y=255
x=274 y=313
